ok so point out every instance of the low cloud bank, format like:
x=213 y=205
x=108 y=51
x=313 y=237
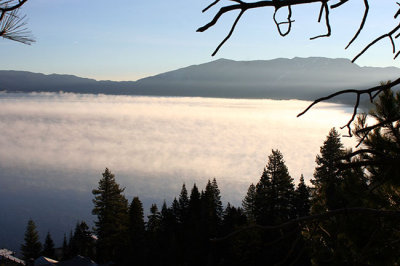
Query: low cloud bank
x=64 y=141
x=146 y=140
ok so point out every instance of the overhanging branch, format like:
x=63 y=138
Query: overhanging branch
x=371 y=92
x=314 y=218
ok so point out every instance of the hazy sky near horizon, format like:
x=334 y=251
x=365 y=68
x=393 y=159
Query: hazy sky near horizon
x=128 y=40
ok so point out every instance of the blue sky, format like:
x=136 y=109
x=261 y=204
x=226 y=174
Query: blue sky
x=128 y=40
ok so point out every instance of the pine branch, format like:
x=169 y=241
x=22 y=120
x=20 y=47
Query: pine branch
x=12 y=25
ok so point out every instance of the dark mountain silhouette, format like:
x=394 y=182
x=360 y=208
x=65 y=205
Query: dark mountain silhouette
x=297 y=78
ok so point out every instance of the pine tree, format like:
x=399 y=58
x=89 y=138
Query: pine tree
x=48 y=247
x=111 y=208
x=233 y=218
x=168 y=221
x=383 y=165
x=153 y=223
x=372 y=182
x=262 y=199
x=327 y=175
x=71 y=245
x=282 y=186
x=83 y=243
x=195 y=232
x=302 y=199
x=274 y=201
x=32 y=247
x=334 y=188
x=136 y=233
x=153 y=230
x=275 y=192
x=249 y=204
x=217 y=199
x=136 y=220
x=167 y=237
x=65 y=249
x=195 y=204
x=175 y=208
x=212 y=207
x=183 y=205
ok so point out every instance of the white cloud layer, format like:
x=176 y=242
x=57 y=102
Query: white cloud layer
x=153 y=144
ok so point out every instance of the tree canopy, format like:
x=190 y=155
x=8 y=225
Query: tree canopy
x=111 y=208
x=31 y=249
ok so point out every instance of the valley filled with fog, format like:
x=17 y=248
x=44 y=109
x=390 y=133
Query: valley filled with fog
x=56 y=145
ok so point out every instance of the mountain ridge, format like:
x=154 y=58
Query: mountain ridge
x=279 y=78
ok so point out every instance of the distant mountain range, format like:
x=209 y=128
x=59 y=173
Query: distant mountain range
x=297 y=78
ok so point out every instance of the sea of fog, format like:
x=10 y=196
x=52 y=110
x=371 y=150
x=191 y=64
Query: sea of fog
x=54 y=147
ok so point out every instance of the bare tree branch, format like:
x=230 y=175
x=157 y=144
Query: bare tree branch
x=348 y=125
x=383 y=36
x=339 y=4
x=210 y=6
x=4 y=5
x=229 y=34
x=245 y=6
x=324 y=7
x=369 y=92
x=361 y=25
x=289 y=22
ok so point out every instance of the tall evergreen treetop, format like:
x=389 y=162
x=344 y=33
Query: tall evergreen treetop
x=136 y=218
x=217 y=198
x=302 y=198
x=183 y=204
x=194 y=200
x=65 y=248
x=165 y=217
x=32 y=247
x=154 y=219
x=282 y=184
x=183 y=197
x=175 y=208
x=48 y=247
x=262 y=199
x=327 y=175
x=274 y=192
x=249 y=203
x=212 y=197
x=194 y=205
x=137 y=247
x=212 y=210
x=82 y=242
x=111 y=208
x=109 y=201
x=330 y=152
